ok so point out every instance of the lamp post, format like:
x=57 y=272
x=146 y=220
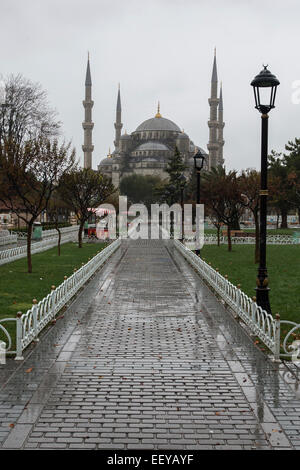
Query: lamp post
x=199 y=159
x=182 y=183
x=264 y=87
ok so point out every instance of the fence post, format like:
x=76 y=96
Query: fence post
x=34 y=316
x=277 y=339
x=238 y=302
x=53 y=302
x=19 y=332
x=2 y=352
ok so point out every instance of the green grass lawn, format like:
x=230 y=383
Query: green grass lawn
x=18 y=288
x=283 y=264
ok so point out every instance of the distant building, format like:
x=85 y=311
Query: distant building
x=146 y=150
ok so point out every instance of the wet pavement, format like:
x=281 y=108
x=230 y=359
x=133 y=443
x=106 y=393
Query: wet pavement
x=146 y=357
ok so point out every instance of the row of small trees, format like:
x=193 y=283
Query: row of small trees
x=37 y=171
x=227 y=194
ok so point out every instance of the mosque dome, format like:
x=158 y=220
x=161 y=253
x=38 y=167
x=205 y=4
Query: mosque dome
x=106 y=161
x=125 y=137
x=158 y=123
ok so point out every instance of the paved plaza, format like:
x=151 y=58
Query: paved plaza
x=147 y=358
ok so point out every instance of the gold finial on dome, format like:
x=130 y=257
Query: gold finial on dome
x=158 y=115
x=109 y=154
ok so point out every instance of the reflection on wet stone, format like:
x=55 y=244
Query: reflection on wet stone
x=148 y=358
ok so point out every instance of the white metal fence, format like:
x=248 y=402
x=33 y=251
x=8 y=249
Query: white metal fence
x=260 y=322
x=50 y=233
x=8 y=239
x=271 y=240
x=63 y=231
x=31 y=323
x=6 y=256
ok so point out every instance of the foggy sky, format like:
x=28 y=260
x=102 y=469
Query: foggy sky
x=158 y=50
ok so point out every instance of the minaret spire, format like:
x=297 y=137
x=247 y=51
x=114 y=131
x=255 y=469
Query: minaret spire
x=221 y=125
x=118 y=123
x=213 y=101
x=87 y=124
x=158 y=115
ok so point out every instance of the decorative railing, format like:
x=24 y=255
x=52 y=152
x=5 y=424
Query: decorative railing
x=291 y=341
x=271 y=240
x=8 y=239
x=31 y=323
x=285 y=344
x=260 y=322
x=6 y=256
x=63 y=230
x=51 y=232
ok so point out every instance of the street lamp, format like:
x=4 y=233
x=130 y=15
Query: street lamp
x=182 y=184
x=264 y=87
x=199 y=160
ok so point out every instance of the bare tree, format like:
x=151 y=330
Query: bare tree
x=216 y=221
x=250 y=192
x=56 y=208
x=85 y=189
x=30 y=172
x=26 y=114
x=223 y=197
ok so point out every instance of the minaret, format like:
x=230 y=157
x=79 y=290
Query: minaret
x=213 y=123
x=88 y=124
x=221 y=125
x=118 y=123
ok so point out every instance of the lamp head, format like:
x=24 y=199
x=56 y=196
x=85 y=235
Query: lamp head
x=264 y=86
x=199 y=160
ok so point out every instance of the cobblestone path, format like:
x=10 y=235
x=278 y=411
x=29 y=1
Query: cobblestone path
x=146 y=358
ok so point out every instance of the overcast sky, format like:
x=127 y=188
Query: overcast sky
x=158 y=50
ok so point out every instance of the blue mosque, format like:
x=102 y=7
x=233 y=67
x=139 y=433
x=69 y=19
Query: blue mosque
x=147 y=149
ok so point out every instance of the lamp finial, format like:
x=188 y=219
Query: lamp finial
x=158 y=115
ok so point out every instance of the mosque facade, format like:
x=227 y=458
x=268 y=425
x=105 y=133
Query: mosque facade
x=146 y=150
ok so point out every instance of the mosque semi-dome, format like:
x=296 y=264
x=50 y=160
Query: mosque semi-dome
x=106 y=161
x=182 y=136
x=152 y=146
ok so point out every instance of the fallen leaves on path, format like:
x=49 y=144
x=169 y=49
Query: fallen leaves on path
x=29 y=370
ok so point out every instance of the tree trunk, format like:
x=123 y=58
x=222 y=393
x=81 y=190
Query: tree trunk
x=80 y=234
x=256 y=222
x=29 y=237
x=229 y=237
x=284 y=219
x=218 y=234
x=235 y=224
